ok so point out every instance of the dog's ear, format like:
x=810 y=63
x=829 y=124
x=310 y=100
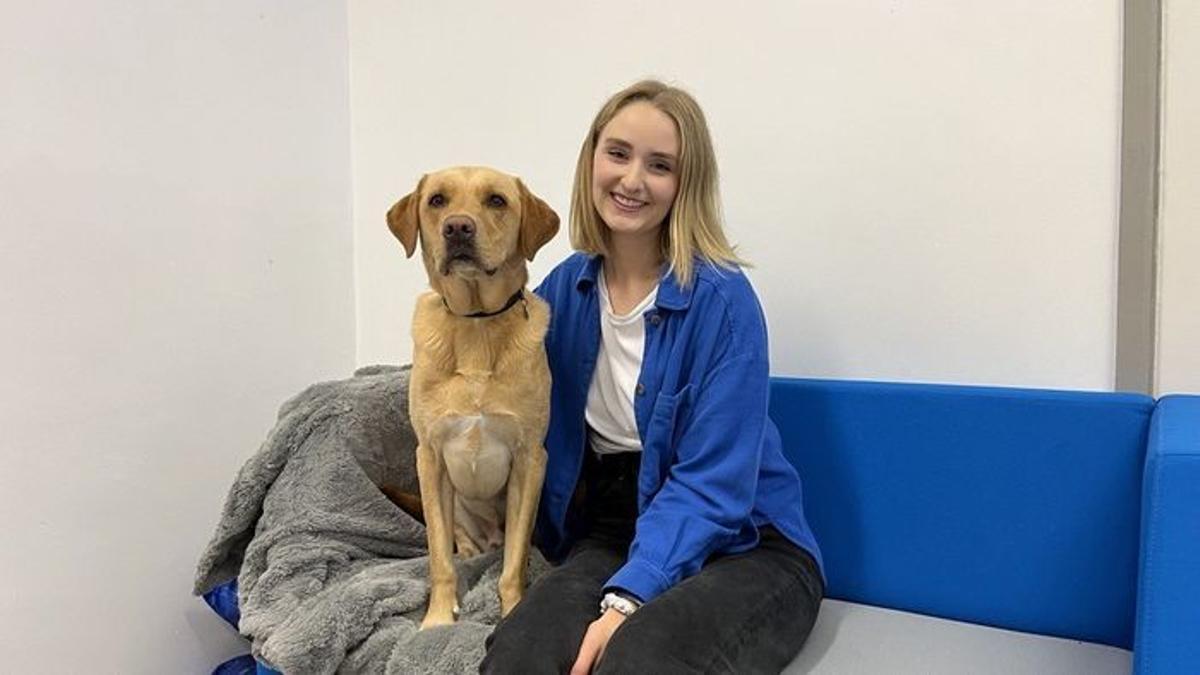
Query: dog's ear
x=539 y=222
x=403 y=219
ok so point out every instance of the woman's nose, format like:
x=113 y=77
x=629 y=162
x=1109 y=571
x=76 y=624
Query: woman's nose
x=632 y=178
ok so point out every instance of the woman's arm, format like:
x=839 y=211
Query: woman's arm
x=709 y=491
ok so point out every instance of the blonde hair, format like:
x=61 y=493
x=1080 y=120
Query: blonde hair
x=694 y=220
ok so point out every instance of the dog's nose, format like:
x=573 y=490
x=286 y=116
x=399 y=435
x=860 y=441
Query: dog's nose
x=458 y=228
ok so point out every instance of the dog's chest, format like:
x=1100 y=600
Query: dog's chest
x=479 y=402
x=480 y=349
x=477 y=451
x=483 y=368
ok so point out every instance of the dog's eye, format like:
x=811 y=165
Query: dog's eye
x=437 y=201
x=497 y=202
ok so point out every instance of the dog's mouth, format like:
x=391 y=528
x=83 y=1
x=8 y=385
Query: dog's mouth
x=464 y=263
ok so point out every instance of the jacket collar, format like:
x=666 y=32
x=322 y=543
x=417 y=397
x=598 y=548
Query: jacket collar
x=671 y=295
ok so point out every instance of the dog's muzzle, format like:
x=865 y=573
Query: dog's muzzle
x=458 y=230
x=459 y=235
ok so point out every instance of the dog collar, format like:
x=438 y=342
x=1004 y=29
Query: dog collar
x=519 y=296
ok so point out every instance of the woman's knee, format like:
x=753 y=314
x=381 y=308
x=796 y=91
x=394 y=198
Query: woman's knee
x=541 y=634
x=544 y=631
x=520 y=645
x=509 y=653
x=645 y=647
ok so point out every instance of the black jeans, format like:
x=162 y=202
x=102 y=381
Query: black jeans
x=743 y=613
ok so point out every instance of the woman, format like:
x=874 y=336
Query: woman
x=677 y=519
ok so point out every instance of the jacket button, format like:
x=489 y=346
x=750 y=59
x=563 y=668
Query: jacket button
x=641 y=389
x=655 y=319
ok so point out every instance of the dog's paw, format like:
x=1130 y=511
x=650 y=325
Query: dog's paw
x=439 y=619
x=464 y=545
x=508 y=602
x=466 y=549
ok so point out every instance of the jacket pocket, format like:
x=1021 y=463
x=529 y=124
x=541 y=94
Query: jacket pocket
x=662 y=434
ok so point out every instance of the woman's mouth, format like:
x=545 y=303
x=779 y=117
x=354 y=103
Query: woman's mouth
x=626 y=203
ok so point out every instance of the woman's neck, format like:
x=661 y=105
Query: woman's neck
x=631 y=270
x=633 y=260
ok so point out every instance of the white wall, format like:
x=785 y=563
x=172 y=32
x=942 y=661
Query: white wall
x=929 y=190
x=1179 y=209
x=175 y=260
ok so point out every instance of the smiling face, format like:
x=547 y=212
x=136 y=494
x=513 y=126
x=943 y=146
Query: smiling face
x=635 y=171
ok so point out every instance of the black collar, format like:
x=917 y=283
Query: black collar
x=519 y=296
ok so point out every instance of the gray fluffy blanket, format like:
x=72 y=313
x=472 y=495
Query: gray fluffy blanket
x=332 y=576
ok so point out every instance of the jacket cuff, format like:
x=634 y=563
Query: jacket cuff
x=641 y=579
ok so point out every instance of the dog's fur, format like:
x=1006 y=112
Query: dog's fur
x=480 y=388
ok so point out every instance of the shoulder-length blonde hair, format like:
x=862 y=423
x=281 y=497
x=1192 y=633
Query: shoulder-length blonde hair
x=694 y=220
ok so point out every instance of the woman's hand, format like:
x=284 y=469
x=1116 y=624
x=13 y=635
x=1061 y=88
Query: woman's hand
x=595 y=640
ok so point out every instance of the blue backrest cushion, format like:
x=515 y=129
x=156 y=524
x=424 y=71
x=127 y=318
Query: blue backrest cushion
x=1013 y=508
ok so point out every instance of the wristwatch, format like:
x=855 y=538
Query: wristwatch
x=623 y=604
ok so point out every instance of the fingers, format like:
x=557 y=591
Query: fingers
x=595 y=640
x=600 y=652
x=589 y=651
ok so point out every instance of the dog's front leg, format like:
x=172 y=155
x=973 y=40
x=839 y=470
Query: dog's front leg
x=524 y=490
x=437 y=498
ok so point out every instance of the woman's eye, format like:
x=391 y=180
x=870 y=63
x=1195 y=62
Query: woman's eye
x=437 y=201
x=497 y=202
x=619 y=154
x=661 y=167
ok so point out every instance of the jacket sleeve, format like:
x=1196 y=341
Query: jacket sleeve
x=709 y=490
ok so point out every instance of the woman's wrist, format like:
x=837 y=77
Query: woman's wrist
x=619 y=601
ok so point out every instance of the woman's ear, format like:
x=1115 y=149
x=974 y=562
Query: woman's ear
x=539 y=222
x=404 y=219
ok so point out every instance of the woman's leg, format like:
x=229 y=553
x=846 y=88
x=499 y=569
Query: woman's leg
x=544 y=630
x=744 y=613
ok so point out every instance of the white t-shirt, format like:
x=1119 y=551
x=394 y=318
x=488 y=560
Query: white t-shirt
x=612 y=426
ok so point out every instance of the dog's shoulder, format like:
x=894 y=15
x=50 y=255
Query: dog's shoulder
x=539 y=313
x=530 y=332
x=428 y=309
x=429 y=321
x=428 y=301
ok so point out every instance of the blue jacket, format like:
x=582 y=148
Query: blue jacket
x=712 y=470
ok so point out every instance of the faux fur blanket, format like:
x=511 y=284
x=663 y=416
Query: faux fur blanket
x=332 y=576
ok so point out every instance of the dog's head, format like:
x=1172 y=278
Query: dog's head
x=472 y=222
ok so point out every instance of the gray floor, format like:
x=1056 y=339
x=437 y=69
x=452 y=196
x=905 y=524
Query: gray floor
x=850 y=639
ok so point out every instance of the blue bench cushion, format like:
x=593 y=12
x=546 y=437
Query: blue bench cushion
x=1006 y=507
x=224 y=601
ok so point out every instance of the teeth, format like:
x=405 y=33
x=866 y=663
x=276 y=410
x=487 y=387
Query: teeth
x=625 y=201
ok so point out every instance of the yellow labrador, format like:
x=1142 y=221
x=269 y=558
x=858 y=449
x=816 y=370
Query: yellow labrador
x=479 y=395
